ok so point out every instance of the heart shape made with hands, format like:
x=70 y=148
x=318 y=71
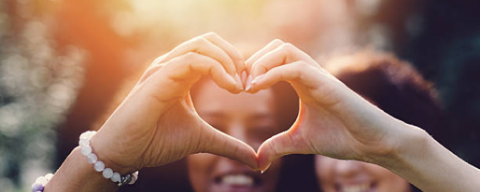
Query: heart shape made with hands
x=286 y=105
x=321 y=122
x=276 y=109
x=332 y=120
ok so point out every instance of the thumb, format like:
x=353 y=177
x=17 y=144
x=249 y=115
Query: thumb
x=218 y=143
x=275 y=147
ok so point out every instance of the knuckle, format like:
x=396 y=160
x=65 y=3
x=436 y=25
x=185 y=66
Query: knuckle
x=288 y=46
x=273 y=147
x=287 y=49
x=300 y=69
x=200 y=41
x=277 y=42
x=155 y=67
x=158 y=60
x=302 y=65
x=152 y=69
x=210 y=34
x=189 y=56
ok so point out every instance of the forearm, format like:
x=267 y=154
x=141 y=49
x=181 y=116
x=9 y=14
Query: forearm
x=431 y=167
x=76 y=174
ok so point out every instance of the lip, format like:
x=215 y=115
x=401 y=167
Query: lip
x=238 y=181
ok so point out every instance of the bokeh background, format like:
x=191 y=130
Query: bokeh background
x=64 y=65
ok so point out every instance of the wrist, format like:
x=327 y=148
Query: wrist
x=76 y=174
x=425 y=163
x=408 y=141
x=105 y=150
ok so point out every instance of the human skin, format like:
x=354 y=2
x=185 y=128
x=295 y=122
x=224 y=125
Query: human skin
x=336 y=122
x=336 y=175
x=156 y=124
x=249 y=118
x=333 y=121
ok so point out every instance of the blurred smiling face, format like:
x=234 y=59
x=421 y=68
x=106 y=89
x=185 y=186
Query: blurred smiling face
x=250 y=118
x=354 y=176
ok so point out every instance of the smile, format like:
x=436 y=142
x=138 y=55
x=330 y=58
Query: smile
x=362 y=187
x=239 y=180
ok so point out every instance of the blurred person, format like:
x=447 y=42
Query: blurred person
x=241 y=119
x=247 y=117
x=395 y=87
x=252 y=119
x=136 y=135
x=336 y=122
x=157 y=123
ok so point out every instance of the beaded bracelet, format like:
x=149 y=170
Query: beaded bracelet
x=98 y=165
x=40 y=183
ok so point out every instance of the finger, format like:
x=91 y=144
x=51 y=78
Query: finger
x=275 y=147
x=179 y=74
x=194 y=63
x=149 y=72
x=269 y=47
x=202 y=46
x=219 y=143
x=299 y=71
x=189 y=102
x=312 y=83
x=229 y=49
x=286 y=53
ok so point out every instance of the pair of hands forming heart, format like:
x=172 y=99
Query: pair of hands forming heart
x=157 y=124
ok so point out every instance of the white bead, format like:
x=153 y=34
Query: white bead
x=86 y=150
x=48 y=176
x=84 y=135
x=90 y=134
x=107 y=173
x=41 y=180
x=116 y=177
x=91 y=158
x=83 y=142
x=99 y=166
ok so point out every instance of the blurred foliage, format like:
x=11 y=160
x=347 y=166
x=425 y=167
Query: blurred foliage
x=38 y=83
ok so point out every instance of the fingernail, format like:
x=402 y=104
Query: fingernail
x=264 y=170
x=244 y=77
x=249 y=83
x=239 y=81
x=257 y=78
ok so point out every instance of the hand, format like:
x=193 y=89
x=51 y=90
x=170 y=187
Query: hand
x=333 y=120
x=157 y=124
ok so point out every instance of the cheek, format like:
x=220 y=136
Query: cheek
x=200 y=168
x=324 y=170
x=387 y=180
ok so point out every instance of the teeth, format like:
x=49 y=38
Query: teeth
x=356 y=188
x=238 y=180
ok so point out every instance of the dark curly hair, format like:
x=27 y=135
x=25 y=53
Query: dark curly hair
x=394 y=86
